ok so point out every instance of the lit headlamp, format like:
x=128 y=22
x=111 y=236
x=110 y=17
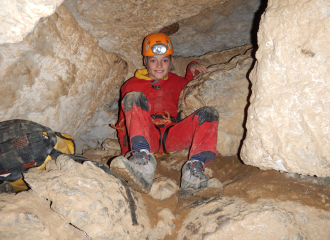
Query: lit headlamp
x=159 y=49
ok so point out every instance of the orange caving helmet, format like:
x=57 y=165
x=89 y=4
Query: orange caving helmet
x=157 y=44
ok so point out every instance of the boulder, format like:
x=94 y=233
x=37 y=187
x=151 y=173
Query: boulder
x=111 y=144
x=60 y=77
x=18 y=18
x=163 y=188
x=289 y=116
x=28 y=216
x=226 y=88
x=233 y=218
x=226 y=25
x=90 y=199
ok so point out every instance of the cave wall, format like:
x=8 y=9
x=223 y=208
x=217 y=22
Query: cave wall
x=289 y=116
x=226 y=88
x=224 y=26
x=121 y=25
x=60 y=77
x=65 y=71
x=18 y=18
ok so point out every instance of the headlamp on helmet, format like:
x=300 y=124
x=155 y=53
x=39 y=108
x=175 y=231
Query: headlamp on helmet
x=159 y=49
x=157 y=44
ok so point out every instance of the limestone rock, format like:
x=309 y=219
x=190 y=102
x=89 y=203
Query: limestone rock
x=208 y=172
x=18 y=18
x=111 y=144
x=163 y=188
x=120 y=26
x=180 y=63
x=164 y=227
x=236 y=219
x=226 y=88
x=226 y=25
x=27 y=216
x=92 y=134
x=289 y=116
x=100 y=155
x=60 y=77
x=90 y=199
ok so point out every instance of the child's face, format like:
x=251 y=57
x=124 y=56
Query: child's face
x=159 y=66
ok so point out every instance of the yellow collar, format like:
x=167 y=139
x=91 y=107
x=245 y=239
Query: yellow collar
x=142 y=74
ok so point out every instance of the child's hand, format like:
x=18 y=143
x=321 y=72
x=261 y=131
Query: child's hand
x=198 y=67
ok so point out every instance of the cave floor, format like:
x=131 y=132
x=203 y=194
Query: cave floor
x=240 y=180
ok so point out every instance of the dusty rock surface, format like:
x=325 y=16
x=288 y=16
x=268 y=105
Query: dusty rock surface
x=111 y=144
x=226 y=88
x=224 y=26
x=235 y=219
x=60 y=77
x=165 y=225
x=252 y=184
x=99 y=155
x=180 y=63
x=289 y=116
x=261 y=204
x=252 y=194
x=28 y=216
x=120 y=26
x=90 y=199
x=18 y=18
x=163 y=188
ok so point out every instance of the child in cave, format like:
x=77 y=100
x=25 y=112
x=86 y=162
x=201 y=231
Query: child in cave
x=147 y=124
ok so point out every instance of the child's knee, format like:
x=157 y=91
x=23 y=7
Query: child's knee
x=206 y=114
x=137 y=98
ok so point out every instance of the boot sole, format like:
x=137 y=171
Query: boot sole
x=193 y=194
x=119 y=168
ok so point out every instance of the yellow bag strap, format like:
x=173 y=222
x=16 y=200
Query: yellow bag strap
x=64 y=144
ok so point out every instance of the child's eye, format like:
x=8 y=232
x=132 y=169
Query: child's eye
x=166 y=60
x=152 y=61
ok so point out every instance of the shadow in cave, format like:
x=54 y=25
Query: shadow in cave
x=247 y=106
x=254 y=41
x=256 y=21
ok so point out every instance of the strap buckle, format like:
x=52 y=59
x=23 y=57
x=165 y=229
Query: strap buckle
x=162 y=118
x=121 y=125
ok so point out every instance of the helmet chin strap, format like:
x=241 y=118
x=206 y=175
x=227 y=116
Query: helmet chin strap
x=156 y=79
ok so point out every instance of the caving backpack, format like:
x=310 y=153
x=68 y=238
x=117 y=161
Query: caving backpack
x=25 y=144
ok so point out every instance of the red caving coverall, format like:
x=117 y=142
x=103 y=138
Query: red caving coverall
x=163 y=96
